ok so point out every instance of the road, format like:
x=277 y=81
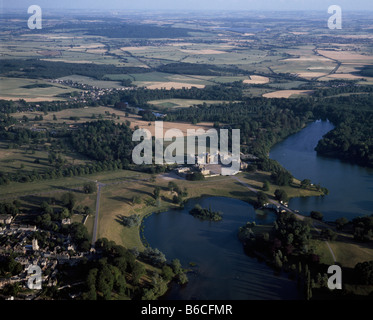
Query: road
x=133 y=178
x=99 y=186
x=95 y=226
x=276 y=203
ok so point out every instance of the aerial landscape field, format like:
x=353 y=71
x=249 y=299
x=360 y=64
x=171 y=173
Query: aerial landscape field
x=76 y=204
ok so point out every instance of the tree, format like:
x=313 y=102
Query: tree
x=290 y=238
x=69 y=200
x=87 y=210
x=79 y=233
x=148 y=294
x=363 y=228
x=281 y=195
x=121 y=263
x=316 y=215
x=328 y=234
x=11 y=289
x=278 y=262
x=65 y=213
x=167 y=273
x=132 y=220
x=341 y=222
x=176 y=266
x=46 y=208
x=91 y=278
x=265 y=186
x=177 y=199
x=195 y=176
x=105 y=282
x=90 y=295
x=172 y=186
x=136 y=200
x=137 y=272
x=156 y=192
x=13 y=266
x=282 y=178
x=182 y=278
x=305 y=183
x=364 y=272
x=89 y=187
x=262 y=198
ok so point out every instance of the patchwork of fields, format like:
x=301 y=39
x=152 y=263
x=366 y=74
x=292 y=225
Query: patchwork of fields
x=104 y=70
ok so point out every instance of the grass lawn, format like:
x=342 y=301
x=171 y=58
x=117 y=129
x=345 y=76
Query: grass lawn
x=23 y=159
x=349 y=253
x=321 y=249
x=256 y=180
x=17 y=189
x=116 y=201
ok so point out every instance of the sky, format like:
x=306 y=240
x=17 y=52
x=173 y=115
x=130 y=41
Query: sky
x=178 y=5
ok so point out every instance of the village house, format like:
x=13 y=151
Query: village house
x=182 y=171
x=6 y=218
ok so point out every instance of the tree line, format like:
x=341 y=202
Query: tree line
x=36 y=69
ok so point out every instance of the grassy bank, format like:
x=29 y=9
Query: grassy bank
x=117 y=200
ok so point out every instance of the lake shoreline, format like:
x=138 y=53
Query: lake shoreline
x=199 y=271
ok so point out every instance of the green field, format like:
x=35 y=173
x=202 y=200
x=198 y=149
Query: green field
x=117 y=200
x=16 y=189
x=25 y=159
x=13 y=89
x=84 y=114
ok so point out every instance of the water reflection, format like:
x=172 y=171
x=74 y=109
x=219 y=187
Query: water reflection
x=222 y=271
x=350 y=186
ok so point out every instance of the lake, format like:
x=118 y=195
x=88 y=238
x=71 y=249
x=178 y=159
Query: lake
x=350 y=186
x=223 y=270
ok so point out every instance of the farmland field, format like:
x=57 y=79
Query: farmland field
x=181 y=103
x=73 y=95
x=14 y=89
x=286 y=93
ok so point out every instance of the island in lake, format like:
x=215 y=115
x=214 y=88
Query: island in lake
x=205 y=214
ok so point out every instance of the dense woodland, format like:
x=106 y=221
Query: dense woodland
x=199 y=69
x=141 y=96
x=104 y=140
x=35 y=69
x=263 y=122
x=352 y=139
x=367 y=71
x=287 y=246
